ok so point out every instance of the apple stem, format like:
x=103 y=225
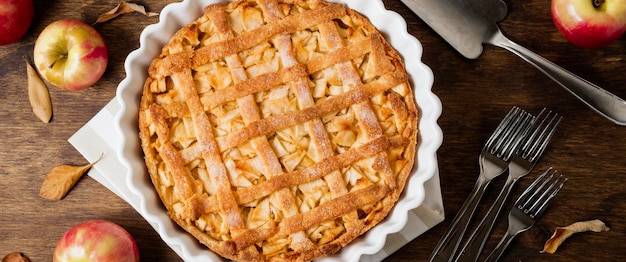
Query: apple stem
x=597 y=3
x=62 y=56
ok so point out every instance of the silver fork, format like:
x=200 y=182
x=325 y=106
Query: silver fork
x=531 y=150
x=528 y=208
x=493 y=160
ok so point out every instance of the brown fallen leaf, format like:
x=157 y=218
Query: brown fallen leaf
x=562 y=233
x=61 y=179
x=15 y=257
x=38 y=94
x=124 y=8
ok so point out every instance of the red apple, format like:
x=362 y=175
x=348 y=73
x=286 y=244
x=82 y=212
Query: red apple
x=15 y=19
x=590 y=23
x=96 y=241
x=70 y=54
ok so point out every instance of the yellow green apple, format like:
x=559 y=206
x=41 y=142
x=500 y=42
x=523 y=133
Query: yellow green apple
x=70 y=54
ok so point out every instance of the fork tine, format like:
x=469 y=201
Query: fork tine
x=516 y=135
x=537 y=141
x=535 y=199
x=545 y=200
x=504 y=124
x=505 y=141
x=524 y=198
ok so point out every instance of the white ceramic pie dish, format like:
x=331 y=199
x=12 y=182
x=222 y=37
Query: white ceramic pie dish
x=176 y=15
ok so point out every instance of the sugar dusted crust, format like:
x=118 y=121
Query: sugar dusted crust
x=278 y=130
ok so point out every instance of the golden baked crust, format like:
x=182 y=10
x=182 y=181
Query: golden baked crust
x=278 y=129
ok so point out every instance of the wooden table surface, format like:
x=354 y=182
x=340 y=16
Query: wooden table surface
x=476 y=94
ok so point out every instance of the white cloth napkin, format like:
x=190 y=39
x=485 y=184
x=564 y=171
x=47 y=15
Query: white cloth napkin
x=99 y=138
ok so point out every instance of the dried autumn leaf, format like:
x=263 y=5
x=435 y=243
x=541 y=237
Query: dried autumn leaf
x=124 y=8
x=562 y=233
x=61 y=179
x=38 y=94
x=15 y=257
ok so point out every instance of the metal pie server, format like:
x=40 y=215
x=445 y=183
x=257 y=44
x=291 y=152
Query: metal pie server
x=467 y=24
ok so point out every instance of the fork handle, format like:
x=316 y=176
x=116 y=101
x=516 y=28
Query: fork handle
x=472 y=249
x=449 y=243
x=502 y=245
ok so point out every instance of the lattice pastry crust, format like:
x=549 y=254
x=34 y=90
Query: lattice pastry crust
x=278 y=129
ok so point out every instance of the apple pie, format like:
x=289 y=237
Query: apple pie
x=278 y=130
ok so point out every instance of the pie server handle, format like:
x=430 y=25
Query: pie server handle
x=602 y=101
